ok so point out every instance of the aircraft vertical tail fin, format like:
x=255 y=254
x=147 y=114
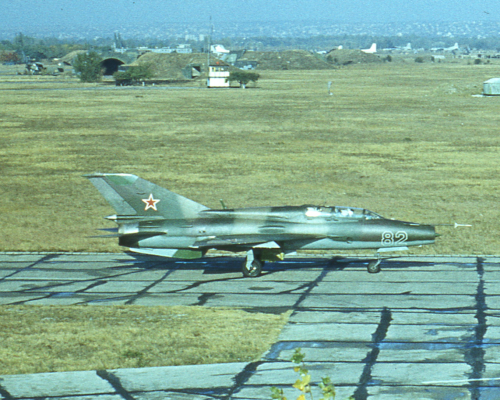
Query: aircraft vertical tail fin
x=371 y=50
x=132 y=196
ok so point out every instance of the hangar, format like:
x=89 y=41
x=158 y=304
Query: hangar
x=111 y=65
x=112 y=61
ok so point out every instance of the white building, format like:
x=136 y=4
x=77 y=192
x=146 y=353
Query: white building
x=184 y=49
x=218 y=76
x=162 y=50
x=492 y=87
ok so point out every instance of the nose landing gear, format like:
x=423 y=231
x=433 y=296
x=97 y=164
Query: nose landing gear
x=374 y=266
x=252 y=266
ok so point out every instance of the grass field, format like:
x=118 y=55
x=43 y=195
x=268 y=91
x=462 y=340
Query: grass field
x=406 y=140
x=71 y=338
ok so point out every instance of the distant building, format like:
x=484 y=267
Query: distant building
x=194 y=38
x=162 y=50
x=218 y=76
x=492 y=87
x=180 y=49
x=121 y=50
x=184 y=49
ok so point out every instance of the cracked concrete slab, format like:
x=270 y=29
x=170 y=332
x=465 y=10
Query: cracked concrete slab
x=401 y=301
x=180 y=377
x=425 y=327
x=323 y=332
x=58 y=384
x=421 y=374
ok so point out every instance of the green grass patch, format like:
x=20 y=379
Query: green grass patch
x=406 y=140
x=78 y=338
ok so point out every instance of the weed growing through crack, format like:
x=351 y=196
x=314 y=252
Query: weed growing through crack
x=303 y=384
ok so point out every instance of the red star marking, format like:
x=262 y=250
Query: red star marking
x=150 y=202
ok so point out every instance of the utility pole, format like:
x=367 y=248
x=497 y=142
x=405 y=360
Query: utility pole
x=209 y=39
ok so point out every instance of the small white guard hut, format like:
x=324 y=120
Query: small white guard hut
x=218 y=76
x=491 y=87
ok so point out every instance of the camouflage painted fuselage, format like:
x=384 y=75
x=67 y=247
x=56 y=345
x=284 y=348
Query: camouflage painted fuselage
x=154 y=220
x=291 y=228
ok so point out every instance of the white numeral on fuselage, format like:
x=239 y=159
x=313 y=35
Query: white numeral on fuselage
x=391 y=238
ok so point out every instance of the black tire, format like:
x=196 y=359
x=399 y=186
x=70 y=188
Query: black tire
x=252 y=271
x=374 y=267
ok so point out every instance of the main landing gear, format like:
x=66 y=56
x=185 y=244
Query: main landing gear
x=252 y=266
x=374 y=265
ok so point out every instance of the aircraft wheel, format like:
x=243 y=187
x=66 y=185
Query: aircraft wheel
x=374 y=267
x=253 y=269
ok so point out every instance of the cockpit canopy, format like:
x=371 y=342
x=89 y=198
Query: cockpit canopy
x=341 y=212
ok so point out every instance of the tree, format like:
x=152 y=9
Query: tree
x=243 y=77
x=89 y=66
x=10 y=57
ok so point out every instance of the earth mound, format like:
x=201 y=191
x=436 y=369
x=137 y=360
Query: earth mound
x=346 y=57
x=283 y=60
x=171 y=65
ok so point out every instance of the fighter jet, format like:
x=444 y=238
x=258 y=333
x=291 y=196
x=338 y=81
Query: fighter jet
x=155 y=221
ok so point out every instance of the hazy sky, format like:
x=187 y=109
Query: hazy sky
x=22 y=14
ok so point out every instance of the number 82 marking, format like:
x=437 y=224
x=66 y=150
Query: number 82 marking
x=391 y=238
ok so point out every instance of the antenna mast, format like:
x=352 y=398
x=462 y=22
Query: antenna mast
x=210 y=32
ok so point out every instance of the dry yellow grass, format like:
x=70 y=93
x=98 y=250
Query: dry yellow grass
x=68 y=338
x=406 y=140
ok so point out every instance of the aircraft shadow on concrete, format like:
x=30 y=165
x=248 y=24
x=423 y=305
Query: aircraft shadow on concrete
x=226 y=265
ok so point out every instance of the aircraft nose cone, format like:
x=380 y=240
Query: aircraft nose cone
x=424 y=232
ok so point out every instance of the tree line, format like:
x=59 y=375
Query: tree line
x=24 y=48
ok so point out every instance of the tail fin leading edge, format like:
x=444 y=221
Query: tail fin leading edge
x=130 y=195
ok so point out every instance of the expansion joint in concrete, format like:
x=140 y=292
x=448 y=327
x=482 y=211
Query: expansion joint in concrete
x=378 y=336
x=4 y=394
x=474 y=354
x=115 y=382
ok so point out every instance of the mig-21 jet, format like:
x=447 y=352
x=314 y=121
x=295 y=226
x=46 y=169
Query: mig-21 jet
x=153 y=220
